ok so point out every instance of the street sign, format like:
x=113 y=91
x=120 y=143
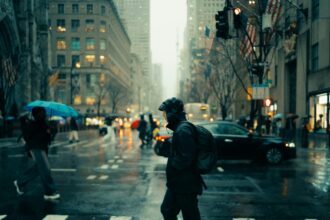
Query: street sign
x=260 y=91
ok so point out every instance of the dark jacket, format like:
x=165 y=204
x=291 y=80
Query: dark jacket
x=38 y=136
x=181 y=172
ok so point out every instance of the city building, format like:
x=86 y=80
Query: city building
x=135 y=15
x=91 y=55
x=301 y=67
x=24 y=54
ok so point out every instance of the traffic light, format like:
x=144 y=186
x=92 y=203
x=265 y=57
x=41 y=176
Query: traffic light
x=222 y=24
x=268 y=102
x=237 y=18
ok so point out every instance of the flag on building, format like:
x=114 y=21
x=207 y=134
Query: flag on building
x=247 y=43
x=9 y=71
x=271 y=18
x=52 y=79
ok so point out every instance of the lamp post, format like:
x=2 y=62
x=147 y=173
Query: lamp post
x=73 y=67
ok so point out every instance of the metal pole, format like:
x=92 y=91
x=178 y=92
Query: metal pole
x=71 y=86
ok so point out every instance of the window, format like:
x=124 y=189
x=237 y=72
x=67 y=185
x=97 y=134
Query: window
x=90 y=58
x=60 y=8
x=75 y=43
x=60 y=43
x=102 y=44
x=315 y=9
x=60 y=60
x=89 y=25
x=61 y=25
x=74 y=60
x=75 y=24
x=75 y=8
x=90 y=43
x=88 y=80
x=102 y=59
x=103 y=26
x=315 y=57
x=89 y=9
x=102 y=10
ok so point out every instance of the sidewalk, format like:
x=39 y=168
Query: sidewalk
x=315 y=140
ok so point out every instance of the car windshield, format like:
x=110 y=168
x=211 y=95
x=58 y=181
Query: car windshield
x=226 y=128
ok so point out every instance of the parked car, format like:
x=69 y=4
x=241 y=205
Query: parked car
x=234 y=141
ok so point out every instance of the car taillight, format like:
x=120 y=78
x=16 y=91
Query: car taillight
x=161 y=138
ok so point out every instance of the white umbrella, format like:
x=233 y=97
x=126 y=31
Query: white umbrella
x=278 y=116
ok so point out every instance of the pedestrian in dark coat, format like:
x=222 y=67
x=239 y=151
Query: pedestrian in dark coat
x=37 y=142
x=184 y=183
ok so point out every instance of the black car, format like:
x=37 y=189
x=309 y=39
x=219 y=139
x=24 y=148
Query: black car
x=236 y=142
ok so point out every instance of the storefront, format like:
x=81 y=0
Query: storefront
x=319 y=109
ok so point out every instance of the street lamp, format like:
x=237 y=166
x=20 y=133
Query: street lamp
x=73 y=67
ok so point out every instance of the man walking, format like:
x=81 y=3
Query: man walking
x=184 y=182
x=37 y=140
x=73 y=135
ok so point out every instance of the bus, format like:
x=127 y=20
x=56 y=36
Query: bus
x=197 y=111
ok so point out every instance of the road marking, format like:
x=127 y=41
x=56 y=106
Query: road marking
x=115 y=166
x=120 y=218
x=125 y=157
x=63 y=170
x=103 y=177
x=16 y=155
x=104 y=166
x=243 y=219
x=120 y=161
x=117 y=157
x=220 y=169
x=111 y=161
x=2 y=216
x=91 y=177
x=55 y=217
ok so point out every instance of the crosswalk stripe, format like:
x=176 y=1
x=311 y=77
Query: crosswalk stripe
x=243 y=219
x=2 y=216
x=115 y=166
x=117 y=157
x=220 y=169
x=120 y=161
x=120 y=218
x=63 y=170
x=55 y=217
x=105 y=166
x=103 y=177
x=91 y=177
x=111 y=161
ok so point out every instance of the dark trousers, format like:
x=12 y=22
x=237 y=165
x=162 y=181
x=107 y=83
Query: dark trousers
x=41 y=168
x=173 y=203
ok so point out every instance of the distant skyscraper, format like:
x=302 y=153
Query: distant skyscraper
x=135 y=15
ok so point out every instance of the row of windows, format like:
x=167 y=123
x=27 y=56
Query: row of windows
x=90 y=43
x=75 y=25
x=75 y=9
x=90 y=58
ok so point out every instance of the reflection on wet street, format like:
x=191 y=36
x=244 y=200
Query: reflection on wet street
x=99 y=179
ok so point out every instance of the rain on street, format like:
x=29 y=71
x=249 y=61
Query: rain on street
x=102 y=181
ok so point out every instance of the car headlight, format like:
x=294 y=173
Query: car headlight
x=290 y=144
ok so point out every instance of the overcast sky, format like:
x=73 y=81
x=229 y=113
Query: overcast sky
x=168 y=18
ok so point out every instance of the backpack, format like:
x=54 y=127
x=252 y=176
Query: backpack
x=207 y=151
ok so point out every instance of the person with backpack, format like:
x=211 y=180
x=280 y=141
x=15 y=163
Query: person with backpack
x=36 y=134
x=184 y=181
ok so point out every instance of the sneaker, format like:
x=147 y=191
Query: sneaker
x=53 y=196
x=18 y=189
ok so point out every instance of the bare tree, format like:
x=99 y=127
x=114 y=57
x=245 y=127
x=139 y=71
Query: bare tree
x=100 y=93
x=222 y=81
x=200 y=89
x=118 y=97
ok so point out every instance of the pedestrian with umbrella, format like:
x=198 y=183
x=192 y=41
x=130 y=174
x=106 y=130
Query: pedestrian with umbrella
x=37 y=137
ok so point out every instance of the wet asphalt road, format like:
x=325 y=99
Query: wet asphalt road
x=98 y=180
